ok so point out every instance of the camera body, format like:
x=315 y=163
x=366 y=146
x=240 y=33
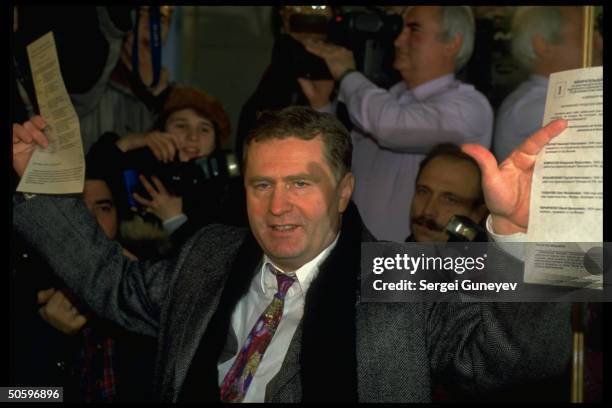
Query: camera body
x=368 y=34
x=185 y=179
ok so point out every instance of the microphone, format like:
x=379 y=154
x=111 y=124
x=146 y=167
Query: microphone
x=462 y=229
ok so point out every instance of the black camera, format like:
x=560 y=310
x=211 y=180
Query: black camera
x=185 y=178
x=368 y=34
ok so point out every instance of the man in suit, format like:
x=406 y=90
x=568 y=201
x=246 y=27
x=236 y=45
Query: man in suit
x=328 y=346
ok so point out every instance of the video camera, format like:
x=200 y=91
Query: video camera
x=369 y=34
x=183 y=179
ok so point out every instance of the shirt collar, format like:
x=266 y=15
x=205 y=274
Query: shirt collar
x=303 y=275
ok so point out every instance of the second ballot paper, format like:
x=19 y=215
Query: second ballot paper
x=566 y=209
x=60 y=168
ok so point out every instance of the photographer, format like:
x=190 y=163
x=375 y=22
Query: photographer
x=394 y=128
x=278 y=87
x=177 y=174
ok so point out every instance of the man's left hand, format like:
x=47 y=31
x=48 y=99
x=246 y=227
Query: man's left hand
x=318 y=92
x=338 y=59
x=507 y=188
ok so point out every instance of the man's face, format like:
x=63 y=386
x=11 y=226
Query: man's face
x=99 y=202
x=294 y=203
x=195 y=135
x=569 y=51
x=144 y=42
x=447 y=186
x=420 y=55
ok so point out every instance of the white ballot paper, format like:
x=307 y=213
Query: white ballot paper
x=60 y=168
x=566 y=210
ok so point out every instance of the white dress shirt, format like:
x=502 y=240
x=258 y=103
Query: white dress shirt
x=251 y=306
x=509 y=243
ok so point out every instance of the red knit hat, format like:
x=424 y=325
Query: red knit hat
x=204 y=104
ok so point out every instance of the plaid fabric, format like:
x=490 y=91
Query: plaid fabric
x=96 y=365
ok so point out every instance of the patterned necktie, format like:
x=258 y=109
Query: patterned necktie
x=239 y=377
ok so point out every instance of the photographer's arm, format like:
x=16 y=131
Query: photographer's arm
x=414 y=127
x=162 y=144
x=339 y=60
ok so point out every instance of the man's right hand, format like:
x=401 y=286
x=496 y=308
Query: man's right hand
x=25 y=139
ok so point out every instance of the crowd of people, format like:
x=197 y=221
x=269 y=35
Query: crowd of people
x=232 y=274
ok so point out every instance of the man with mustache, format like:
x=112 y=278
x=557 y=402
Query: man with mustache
x=448 y=183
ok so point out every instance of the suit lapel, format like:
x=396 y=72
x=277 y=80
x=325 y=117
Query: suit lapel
x=288 y=372
x=211 y=315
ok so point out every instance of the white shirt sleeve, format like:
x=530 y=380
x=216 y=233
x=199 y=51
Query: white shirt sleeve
x=415 y=127
x=172 y=224
x=511 y=243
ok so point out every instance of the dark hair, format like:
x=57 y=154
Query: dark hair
x=453 y=151
x=305 y=123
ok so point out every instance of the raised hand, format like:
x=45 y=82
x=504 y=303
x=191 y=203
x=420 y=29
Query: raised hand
x=338 y=59
x=162 y=204
x=318 y=92
x=507 y=188
x=25 y=139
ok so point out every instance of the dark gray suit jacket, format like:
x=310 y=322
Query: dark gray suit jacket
x=400 y=346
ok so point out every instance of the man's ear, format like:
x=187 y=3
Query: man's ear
x=452 y=47
x=541 y=48
x=345 y=188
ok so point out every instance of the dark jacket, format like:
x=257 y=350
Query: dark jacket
x=397 y=347
x=42 y=355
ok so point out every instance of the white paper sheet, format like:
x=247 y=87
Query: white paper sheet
x=567 y=188
x=60 y=168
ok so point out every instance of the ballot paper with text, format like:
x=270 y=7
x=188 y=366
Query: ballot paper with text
x=60 y=168
x=566 y=209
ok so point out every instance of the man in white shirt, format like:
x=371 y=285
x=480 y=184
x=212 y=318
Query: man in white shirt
x=328 y=346
x=395 y=128
x=545 y=39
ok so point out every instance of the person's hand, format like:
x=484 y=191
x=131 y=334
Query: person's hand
x=162 y=144
x=318 y=92
x=129 y=255
x=164 y=77
x=58 y=311
x=507 y=188
x=338 y=59
x=162 y=204
x=25 y=139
